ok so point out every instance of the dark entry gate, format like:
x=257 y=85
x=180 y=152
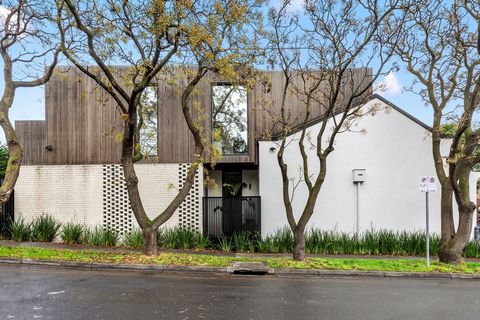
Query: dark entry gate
x=224 y=216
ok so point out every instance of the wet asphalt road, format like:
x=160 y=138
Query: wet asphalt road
x=48 y=293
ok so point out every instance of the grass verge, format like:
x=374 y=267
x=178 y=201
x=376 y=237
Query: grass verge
x=192 y=259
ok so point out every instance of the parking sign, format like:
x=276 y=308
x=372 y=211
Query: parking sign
x=428 y=184
x=432 y=184
x=423 y=184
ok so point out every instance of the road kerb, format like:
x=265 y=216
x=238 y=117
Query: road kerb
x=319 y=273
x=350 y=273
x=429 y=275
x=10 y=261
x=120 y=266
x=195 y=269
x=296 y=272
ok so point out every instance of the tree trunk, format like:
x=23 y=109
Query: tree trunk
x=450 y=252
x=149 y=241
x=299 y=245
x=451 y=249
x=14 y=160
x=445 y=252
x=446 y=212
x=131 y=179
x=447 y=225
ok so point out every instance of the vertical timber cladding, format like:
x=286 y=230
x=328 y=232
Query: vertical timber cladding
x=190 y=211
x=117 y=213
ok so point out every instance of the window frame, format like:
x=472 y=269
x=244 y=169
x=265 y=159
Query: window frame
x=154 y=85
x=216 y=84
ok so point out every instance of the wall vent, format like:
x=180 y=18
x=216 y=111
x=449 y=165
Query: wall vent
x=117 y=213
x=189 y=212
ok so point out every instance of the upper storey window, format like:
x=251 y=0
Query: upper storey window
x=229 y=118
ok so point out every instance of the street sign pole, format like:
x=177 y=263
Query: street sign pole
x=427 y=185
x=427 y=236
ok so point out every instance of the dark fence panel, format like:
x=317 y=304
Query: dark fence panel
x=7 y=214
x=224 y=216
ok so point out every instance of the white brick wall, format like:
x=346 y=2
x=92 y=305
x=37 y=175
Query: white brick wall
x=75 y=192
x=70 y=193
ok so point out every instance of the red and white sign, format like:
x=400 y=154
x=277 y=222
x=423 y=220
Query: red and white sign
x=428 y=184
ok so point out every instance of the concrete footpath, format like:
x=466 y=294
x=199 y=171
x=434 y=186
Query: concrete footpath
x=251 y=268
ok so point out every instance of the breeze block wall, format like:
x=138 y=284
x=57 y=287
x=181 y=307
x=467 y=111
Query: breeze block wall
x=96 y=195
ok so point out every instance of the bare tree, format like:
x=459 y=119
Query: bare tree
x=147 y=37
x=441 y=49
x=30 y=50
x=330 y=60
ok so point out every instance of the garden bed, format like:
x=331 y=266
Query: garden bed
x=213 y=260
x=371 y=242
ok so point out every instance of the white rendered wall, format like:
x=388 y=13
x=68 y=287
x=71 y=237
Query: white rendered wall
x=250 y=178
x=76 y=192
x=395 y=151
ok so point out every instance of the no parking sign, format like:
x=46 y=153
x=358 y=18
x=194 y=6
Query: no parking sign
x=427 y=184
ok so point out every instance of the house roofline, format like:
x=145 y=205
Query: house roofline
x=370 y=98
x=397 y=108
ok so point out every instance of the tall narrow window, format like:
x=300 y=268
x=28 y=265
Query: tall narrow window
x=229 y=119
x=147 y=121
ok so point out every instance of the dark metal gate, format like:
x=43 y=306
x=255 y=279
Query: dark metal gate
x=224 y=216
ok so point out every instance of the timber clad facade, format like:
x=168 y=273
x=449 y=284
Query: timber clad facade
x=81 y=123
x=83 y=126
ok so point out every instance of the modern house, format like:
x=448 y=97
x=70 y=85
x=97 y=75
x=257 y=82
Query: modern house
x=72 y=169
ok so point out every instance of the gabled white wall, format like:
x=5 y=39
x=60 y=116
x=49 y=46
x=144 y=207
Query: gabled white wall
x=395 y=151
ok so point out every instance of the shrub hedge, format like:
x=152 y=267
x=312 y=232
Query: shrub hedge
x=372 y=242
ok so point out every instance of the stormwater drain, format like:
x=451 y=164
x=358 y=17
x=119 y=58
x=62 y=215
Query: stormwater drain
x=250 y=268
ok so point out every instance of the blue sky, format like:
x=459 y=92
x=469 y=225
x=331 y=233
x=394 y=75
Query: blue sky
x=408 y=101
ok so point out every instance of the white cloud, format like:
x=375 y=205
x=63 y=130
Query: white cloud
x=295 y=6
x=4 y=12
x=391 y=85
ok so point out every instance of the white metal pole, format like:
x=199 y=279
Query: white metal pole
x=358 y=211
x=427 y=231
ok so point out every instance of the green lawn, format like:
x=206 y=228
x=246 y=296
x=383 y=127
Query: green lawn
x=192 y=259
